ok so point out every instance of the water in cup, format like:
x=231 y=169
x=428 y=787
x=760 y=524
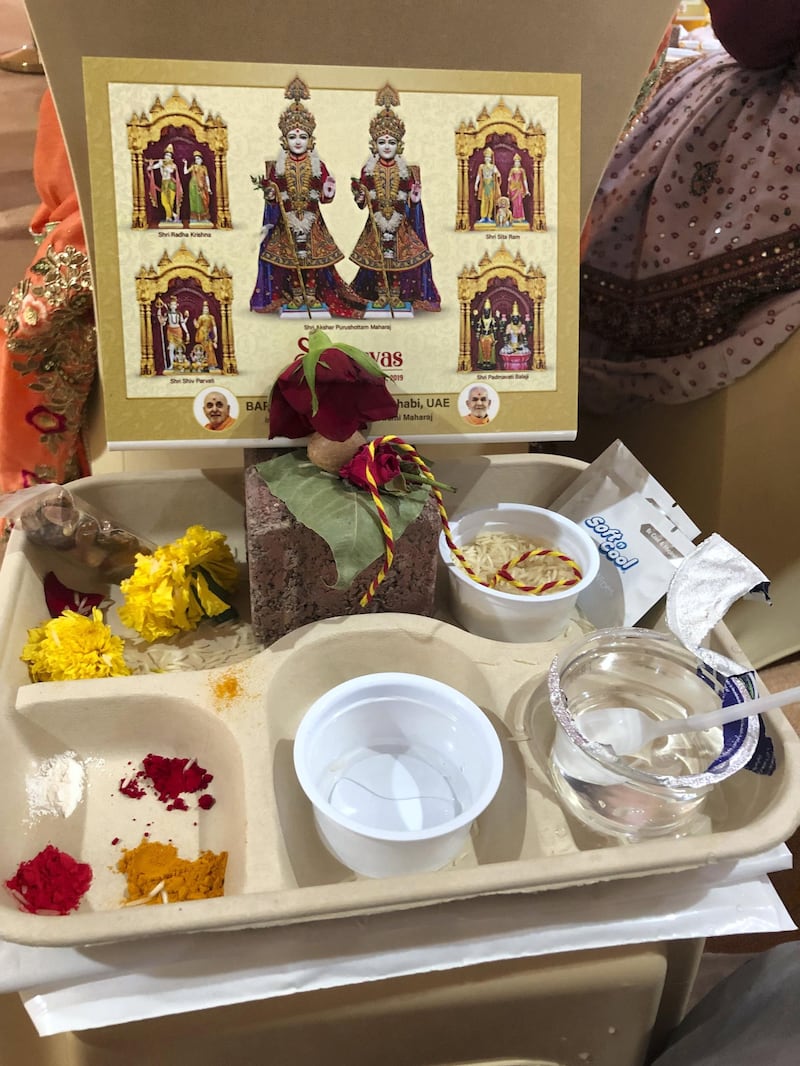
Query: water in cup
x=661 y=789
x=396 y=787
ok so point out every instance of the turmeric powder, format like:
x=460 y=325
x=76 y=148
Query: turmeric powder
x=227 y=687
x=156 y=874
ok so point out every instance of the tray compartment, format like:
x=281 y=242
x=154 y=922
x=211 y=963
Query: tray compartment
x=279 y=872
x=498 y=834
x=110 y=733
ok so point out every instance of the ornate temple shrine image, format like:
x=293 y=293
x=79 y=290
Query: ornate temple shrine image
x=179 y=176
x=501 y=158
x=185 y=317
x=298 y=261
x=501 y=304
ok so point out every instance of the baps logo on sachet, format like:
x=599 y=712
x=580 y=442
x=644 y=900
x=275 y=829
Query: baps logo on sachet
x=612 y=542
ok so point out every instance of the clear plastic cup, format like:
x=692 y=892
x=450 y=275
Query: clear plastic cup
x=662 y=789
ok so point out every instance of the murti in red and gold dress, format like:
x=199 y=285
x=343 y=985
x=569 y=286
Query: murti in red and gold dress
x=392 y=251
x=298 y=254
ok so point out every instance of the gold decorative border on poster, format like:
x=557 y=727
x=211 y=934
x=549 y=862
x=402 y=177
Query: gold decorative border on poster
x=428 y=217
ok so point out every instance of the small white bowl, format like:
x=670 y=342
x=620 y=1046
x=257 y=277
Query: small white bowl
x=508 y=616
x=397 y=767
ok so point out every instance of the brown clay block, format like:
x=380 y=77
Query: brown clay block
x=291 y=568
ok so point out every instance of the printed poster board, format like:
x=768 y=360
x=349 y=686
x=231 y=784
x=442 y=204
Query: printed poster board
x=430 y=218
x=609 y=45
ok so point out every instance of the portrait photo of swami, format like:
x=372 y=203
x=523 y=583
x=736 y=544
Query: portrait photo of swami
x=216 y=409
x=478 y=404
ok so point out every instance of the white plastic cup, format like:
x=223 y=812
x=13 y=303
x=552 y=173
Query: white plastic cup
x=507 y=616
x=397 y=768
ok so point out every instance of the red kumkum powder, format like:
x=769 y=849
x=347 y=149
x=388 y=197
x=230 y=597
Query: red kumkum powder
x=171 y=779
x=51 y=882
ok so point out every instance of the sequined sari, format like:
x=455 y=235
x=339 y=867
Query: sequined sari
x=691 y=274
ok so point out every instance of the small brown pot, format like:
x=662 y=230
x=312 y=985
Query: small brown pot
x=331 y=455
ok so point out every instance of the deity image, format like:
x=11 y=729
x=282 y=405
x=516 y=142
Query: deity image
x=184 y=311
x=296 y=264
x=174 y=334
x=515 y=339
x=517 y=189
x=184 y=339
x=503 y=213
x=168 y=192
x=197 y=359
x=199 y=190
x=179 y=168
x=392 y=253
x=486 y=327
x=487 y=187
x=502 y=313
x=206 y=338
x=501 y=171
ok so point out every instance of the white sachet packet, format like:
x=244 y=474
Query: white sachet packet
x=641 y=533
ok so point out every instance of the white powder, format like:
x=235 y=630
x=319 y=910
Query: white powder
x=57 y=786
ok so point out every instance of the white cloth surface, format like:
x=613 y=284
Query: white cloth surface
x=70 y=989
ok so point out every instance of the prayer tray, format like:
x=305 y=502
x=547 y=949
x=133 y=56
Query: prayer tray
x=278 y=870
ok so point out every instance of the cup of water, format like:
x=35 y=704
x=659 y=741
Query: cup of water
x=661 y=789
x=397 y=768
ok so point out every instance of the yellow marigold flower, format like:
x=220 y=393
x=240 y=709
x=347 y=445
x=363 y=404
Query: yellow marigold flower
x=74 y=646
x=180 y=584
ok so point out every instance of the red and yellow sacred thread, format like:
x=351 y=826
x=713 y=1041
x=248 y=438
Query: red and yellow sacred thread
x=503 y=574
x=388 y=537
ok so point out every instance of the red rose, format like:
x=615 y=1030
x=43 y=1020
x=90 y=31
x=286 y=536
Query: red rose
x=385 y=468
x=350 y=392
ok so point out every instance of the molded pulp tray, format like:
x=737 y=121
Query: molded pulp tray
x=278 y=870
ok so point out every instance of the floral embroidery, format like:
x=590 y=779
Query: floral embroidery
x=31 y=313
x=40 y=476
x=694 y=240
x=46 y=421
x=50 y=328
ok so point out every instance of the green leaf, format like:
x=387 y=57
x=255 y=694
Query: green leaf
x=344 y=516
x=318 y=341
x=309 y=363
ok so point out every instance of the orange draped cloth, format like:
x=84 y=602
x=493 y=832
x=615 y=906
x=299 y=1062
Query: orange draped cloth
x=48 y=349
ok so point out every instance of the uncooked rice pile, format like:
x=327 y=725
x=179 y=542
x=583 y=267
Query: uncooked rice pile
x=209 y=646
x=490 y=551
